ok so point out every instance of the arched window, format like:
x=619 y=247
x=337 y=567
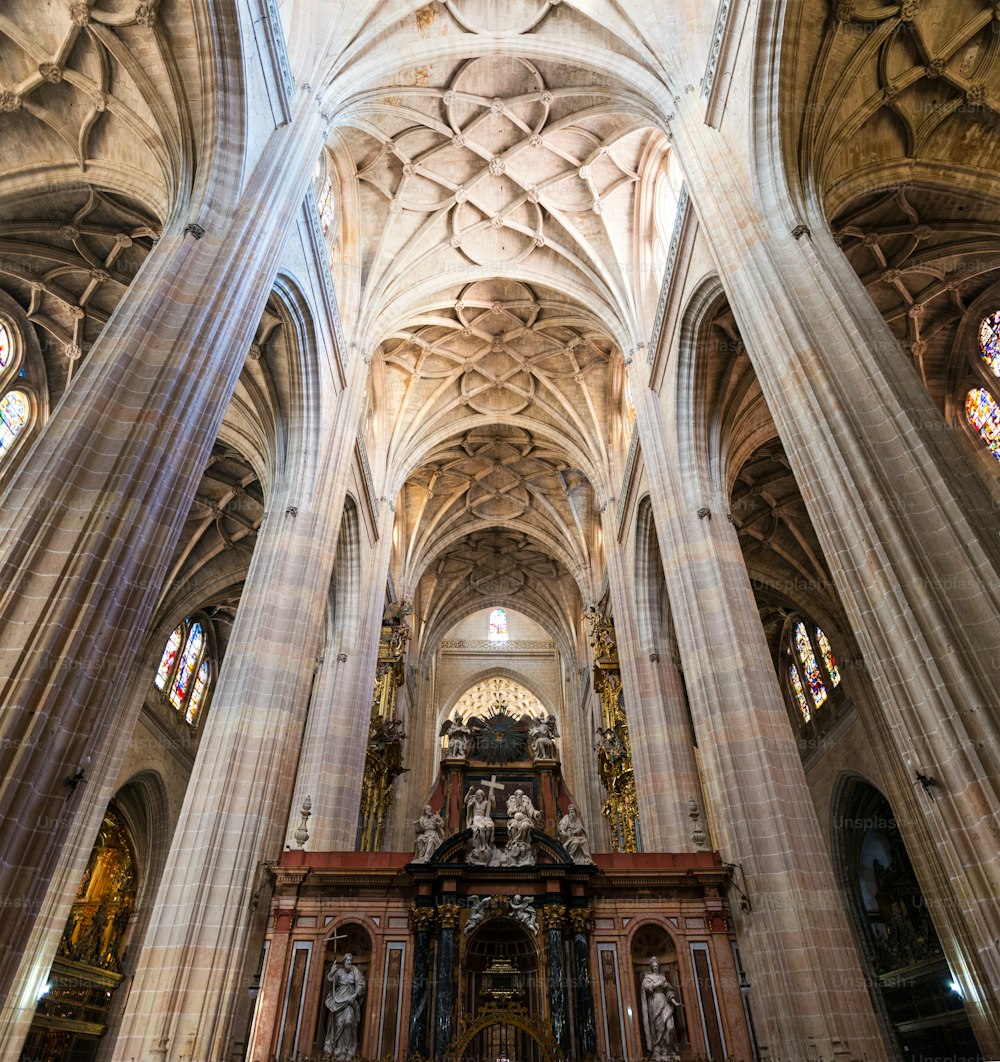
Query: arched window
x=809 y=682
x=989 y=341
x=15 y=412
x=983 y=414
x=498 y=625
x=6 y=346
x=184 y=674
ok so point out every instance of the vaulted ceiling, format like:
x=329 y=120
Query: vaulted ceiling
x=492 y=222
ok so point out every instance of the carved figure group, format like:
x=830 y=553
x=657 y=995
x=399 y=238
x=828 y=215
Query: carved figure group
x=541 y=738
x=573 y=836
x=659 y=1009
x=430 y=835
x=343 y=1001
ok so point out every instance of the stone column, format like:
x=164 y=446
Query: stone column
x=908 y=533
x=666 y=775
x=109 y=483
x=583 y=997
x=332 y=765
x=444 y=1008
x=422 y=924
x=553 y=917
x=193 y=973
x=809 y=990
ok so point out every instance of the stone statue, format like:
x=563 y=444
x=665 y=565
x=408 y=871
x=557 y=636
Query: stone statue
x=659 y=1006
x=343 y=1001
x=520 y=852
x=479 y=819
x=520 y=801
x=459 y=739
x=541 y=738
x=430 y=835
x=573 y=836
x=479 y=908
x=522 y=911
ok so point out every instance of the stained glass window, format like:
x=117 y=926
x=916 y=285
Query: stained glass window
x=325 y=204
x=185 y=669
x=989 y=341
x=14 y=414
x=983 y=414
x=800 y=694
x=827 y=653
x=198 y=693
x=498 y=625
x=809 y=666
x=6 y=347
x=168 y=658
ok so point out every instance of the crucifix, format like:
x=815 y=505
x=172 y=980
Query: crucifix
x=491 y=785
x=333 y=938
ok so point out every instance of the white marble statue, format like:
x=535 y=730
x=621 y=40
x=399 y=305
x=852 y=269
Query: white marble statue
x=541 y=738
x=520 y=801
x=479 y=819
x=430 y=835
x=343 y=1001
x=520 y=851
x=659 y=1008
x=479 y=909
x=522 y=911
x=573 y=836
x=459 y=740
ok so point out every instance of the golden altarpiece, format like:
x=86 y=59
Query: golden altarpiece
x=503 y=938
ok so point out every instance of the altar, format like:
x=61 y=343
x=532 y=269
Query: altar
x=501 y=937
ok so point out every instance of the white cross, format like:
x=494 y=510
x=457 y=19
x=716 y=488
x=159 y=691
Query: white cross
x=491 y=785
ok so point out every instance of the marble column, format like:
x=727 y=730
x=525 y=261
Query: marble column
x=444 y=1004
x=422 y=924
x=553 y=917
x=666 y=777
x=583 y=996
x=909 y=535
x=796 y=941
x=108 y=484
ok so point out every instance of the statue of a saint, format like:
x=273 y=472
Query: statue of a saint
x=430 y=835
x=343 y=1001
x=479 y=819
x=459 y=739
x=520 y=801
x=659 y=1006
x=541 y=738
x=573 y=836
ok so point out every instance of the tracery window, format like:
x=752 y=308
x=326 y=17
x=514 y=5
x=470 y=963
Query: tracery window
x=15 y=413
x=498 y=626
x=184 y=674
x=983 y=415
x=989 y=341
x=6 y=346
x=809 y=680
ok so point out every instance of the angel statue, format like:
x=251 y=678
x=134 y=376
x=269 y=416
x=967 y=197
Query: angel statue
x=541 y=738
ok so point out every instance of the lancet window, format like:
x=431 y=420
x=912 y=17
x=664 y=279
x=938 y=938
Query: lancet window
x=498 y=626
x=983 y=415
x=813 y=672
x=185 y=671
x=15 y=405
x=989 y=341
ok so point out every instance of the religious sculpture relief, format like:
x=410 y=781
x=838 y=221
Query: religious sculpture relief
x=430 y=835
x=459 y=739
x=343 y=1001
x=480 y=908
x=659 y=1007
x=573 y=836
x=522 y=911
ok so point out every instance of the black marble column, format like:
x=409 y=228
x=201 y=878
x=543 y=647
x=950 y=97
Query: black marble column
x=422 y=921
x=553 y=915
x=586 y=1029
x=444 y=1012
